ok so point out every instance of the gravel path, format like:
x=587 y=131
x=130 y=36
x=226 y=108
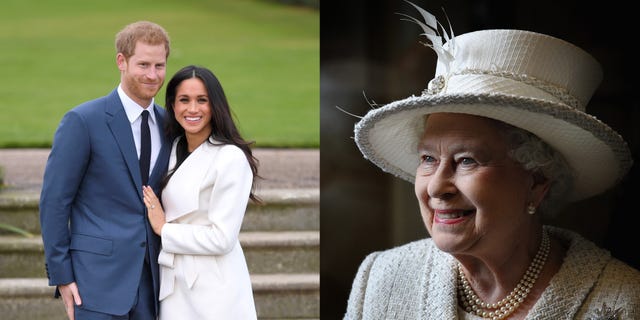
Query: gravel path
x=281 y=168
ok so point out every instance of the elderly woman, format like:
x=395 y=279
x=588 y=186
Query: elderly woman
x=498 y=140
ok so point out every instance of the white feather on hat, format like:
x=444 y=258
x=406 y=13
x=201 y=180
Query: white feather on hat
x=529 y=80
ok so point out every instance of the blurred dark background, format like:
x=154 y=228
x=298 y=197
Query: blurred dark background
x=366 y=48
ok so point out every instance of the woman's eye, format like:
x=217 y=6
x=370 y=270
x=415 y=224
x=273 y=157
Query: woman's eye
x=467 y=161
x=427 y=159
x=203 y=101
x=184 y=100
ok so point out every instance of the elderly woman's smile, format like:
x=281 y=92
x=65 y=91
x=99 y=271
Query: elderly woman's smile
x=450 y=216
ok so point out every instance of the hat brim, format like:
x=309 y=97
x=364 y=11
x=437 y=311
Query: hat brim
x=388 y=136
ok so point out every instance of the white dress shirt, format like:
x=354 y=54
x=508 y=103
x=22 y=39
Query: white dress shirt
x=134 y=114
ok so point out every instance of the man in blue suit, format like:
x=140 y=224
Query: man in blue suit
x=100 y=250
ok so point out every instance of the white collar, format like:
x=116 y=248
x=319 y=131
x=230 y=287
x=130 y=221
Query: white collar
x=133 y=109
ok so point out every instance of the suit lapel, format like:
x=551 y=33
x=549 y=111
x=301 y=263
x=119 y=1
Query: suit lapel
x=121 y=130
x=160 y=167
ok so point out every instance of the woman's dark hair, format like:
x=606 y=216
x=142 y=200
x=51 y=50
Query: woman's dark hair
x=223 y=128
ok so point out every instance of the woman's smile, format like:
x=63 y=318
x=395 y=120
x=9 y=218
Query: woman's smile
x=192 y=118
x=451 y=216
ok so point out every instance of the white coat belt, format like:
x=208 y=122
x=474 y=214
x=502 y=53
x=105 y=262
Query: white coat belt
x=167 y=262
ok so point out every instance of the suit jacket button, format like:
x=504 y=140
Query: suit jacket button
x=143 y=244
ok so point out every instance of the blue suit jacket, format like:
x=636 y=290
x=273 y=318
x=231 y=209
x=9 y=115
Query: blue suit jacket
x=94 y=222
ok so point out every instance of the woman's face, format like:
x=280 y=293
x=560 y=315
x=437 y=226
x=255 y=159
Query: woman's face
x=472 y=195
x=192 y=108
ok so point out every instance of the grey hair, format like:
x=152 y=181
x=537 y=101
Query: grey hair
x=537 y=156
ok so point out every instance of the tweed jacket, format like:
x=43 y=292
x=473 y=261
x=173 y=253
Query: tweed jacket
x=418 y=281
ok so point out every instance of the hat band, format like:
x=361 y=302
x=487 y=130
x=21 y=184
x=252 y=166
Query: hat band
x=441 y=84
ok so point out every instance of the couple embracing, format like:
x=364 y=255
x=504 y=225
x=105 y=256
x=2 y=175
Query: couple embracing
x=141 y=207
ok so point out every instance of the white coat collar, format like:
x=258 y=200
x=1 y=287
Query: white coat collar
x=184 y=185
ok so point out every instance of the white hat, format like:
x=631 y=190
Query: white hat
x=529 y=80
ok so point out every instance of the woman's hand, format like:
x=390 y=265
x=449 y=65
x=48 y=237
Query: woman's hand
x=154 y=210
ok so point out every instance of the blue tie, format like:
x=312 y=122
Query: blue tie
x=145 y=147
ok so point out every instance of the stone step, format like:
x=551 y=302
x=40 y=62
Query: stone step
x=282 y=251
x=266 y=253
x=277 y=296
x=284 y=209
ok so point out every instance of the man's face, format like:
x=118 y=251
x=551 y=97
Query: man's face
x=142 y=75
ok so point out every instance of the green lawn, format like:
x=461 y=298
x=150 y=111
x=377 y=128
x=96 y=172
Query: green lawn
x=57 y=54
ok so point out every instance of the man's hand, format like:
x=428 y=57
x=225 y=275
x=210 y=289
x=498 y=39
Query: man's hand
x=70 y=297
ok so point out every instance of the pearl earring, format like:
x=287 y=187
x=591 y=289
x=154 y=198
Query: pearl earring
x=531 y=209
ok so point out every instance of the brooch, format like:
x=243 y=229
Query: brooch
x=435 y=85
x=606 y=313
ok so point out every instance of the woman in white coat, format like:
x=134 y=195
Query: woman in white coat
x=203 y=272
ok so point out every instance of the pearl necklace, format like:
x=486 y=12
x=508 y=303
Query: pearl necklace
x=503 y=308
